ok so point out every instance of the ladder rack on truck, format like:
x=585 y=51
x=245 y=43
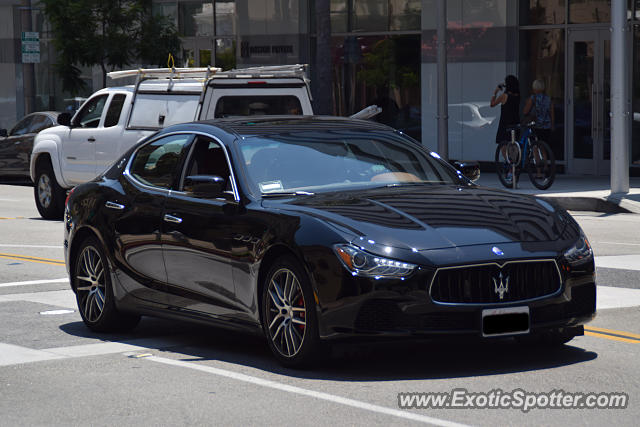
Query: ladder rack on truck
x=267 y=71
x=166 y=73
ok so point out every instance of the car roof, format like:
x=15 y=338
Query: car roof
x=272 y=125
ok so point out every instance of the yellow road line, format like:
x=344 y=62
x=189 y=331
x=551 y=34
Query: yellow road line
x=611 y=337
x=611 y=331
x=32 y=259
x=17 y=217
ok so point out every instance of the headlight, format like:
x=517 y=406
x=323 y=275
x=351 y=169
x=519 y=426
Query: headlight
x=580 y=252
x=360 y=263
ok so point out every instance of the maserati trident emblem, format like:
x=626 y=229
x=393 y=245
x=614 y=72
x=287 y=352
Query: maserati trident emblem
x=501 y=285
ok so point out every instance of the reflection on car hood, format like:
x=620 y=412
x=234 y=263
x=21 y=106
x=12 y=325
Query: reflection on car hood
x=434 y=216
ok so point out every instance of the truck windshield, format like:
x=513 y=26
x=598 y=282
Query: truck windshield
x=234 y=106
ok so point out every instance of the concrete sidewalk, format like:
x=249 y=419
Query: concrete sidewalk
x=578 y=193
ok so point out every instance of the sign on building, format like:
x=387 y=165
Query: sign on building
x=30 y=47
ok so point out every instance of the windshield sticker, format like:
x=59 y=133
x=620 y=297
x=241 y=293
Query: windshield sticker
x=268 y=186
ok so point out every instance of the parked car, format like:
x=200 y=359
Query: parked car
x=16 y=145
x=112 y=120
x=313 y=229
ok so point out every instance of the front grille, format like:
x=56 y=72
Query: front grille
x=383 y=315
x=480 y=284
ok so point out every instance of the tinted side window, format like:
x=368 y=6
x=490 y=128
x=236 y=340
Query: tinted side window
x=157 y=163
x=22 y=127
x=89 y=115
x=115 y=109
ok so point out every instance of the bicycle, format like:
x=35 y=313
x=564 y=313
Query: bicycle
x=530 y=154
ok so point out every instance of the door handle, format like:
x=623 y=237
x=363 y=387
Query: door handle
x=91 y=139
x=171 y=218
x=113 y=205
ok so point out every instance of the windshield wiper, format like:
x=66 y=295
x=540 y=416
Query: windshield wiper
x=286 y=193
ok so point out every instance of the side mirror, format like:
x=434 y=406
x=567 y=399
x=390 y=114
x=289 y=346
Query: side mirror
x=64 y=119
x=3 y=133
x=470 y=170
x=205 y=186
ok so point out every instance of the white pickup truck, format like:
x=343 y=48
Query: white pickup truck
x=113 y=119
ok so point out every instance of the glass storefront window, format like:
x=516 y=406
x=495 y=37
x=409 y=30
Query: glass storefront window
x=379 y=70
x=225 y=17
x=404 y=15
x=589 y=11
x=170 y=10
x=370 y=15
x=195 y=18
x=542 y=56
x=226 y=54
x=541 y=12
x=339 y=16
x=635 y=126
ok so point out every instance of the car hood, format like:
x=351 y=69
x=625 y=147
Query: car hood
x=433 y=216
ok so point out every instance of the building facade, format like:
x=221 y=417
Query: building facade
x=384 y=53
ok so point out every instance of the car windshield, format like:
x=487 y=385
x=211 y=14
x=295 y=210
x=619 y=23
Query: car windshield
x=309 y=162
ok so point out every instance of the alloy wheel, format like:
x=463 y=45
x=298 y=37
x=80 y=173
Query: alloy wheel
x=286 y=312
x=91 y=285
x=44 y=190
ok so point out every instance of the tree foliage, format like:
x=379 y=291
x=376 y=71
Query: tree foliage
x=107 y=33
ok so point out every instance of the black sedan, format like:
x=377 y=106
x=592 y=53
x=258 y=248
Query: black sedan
x=310 y=230
x=16 y=145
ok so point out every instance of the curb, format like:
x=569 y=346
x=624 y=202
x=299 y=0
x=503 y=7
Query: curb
x=610 y=204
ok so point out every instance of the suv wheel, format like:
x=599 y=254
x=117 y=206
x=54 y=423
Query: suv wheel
x=48 y=194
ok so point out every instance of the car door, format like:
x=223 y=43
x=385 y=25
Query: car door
x=138 y=213
x=10 y=147
x=107 y=143
x=197 y=236
x=78 y=160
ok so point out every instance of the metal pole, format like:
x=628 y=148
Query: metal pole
x=28 y=70
x=443 y=117
x=619 y=112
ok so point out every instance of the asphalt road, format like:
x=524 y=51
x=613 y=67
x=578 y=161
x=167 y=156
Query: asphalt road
x=54 y=371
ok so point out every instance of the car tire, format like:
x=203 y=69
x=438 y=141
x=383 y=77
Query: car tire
x=48 y=194
x=289 y=317
x=91 y=282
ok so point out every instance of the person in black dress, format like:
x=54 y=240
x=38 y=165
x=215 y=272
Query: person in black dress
x=509 y=101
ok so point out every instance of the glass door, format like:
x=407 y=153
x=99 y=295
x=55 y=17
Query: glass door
x=588 y=102
x=197 y=52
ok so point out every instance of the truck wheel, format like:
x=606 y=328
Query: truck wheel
x=48 y=193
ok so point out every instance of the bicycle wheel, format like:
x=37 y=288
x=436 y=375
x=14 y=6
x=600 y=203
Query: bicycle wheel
x=541 y=165
x=507 y=153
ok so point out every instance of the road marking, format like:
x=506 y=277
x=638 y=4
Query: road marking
x=624 y=262
x=8 y=245
x=612 y=332
x=610 y=337
x=32 y=259
x=305 y=392
x=64 y=298
x=620 y=243
x=612 y=297
x=34 y=282
x=17 y=217
x=11 y=354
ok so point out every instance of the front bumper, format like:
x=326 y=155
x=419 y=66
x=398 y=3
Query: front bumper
x=391 y=309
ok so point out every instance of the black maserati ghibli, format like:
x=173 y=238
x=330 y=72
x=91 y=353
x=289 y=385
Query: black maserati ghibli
x=309 y=230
